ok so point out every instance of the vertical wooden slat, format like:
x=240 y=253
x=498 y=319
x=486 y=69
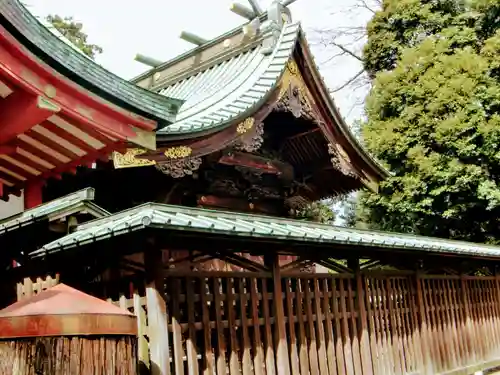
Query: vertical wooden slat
x=258 y=349
x=176 y=326
x=393 y=367
x=157 y=313
x=469 y=329
x=349 y=362
x=313 y=348
x=408 y=348
x=246 y=357
x=393 y=326
x=234 y=366
x=375 y=339
x=320 y=333
x=294 y=355
x=268 y=336
x=283 y=364
x=208 y=358
x=356 y=355
x=366 y=356
x=221 y=347
x=300 y=310
x=415 y=327
x=450 y=322
x=330 y=343
x=192 y=352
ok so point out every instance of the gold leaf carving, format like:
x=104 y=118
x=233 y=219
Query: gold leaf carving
x=129 y=160
x=245 y=126
x=178 y=152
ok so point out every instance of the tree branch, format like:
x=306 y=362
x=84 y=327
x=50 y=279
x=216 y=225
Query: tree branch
x=351 y=80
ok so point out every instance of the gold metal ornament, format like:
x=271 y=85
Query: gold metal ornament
x=245 y=126
x=178 y=152
x=128 y=159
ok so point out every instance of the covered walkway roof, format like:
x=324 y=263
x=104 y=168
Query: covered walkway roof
x=177 y=220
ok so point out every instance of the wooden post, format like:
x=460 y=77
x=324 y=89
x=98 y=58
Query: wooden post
x=157 y=312
x=282 y=360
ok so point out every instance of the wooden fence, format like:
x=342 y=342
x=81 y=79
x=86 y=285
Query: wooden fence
x=335 y=324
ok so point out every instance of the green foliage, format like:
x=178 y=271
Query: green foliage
x=402 y=24
x=318 y=212
x=73 y=32
x=434 y=119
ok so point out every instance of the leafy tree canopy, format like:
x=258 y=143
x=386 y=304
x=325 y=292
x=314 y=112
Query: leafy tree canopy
x=434 y=118
x=73 y=32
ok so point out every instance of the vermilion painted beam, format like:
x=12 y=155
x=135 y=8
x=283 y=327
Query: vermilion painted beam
x=33 y=194
x=21 y=111
x=7 y=150
x=53 y=128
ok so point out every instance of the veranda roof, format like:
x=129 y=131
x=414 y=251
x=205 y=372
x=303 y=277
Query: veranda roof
x=78 y=202
x=196 y=220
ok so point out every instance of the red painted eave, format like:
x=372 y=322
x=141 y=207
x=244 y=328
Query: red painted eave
x=50 y=125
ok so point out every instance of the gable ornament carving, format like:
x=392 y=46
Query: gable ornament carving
x=294 y=96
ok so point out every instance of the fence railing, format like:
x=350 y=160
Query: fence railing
x=335 y=323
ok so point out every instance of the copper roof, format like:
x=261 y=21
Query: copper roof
x=64 y=311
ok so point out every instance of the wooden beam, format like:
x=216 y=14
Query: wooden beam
x=146 y=60
x=192 y=38
x=21 y=111
x=242 y=11
x=239 y=204
x=266 y=165
x=256 y=7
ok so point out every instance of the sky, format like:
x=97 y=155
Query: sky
x=152 y=28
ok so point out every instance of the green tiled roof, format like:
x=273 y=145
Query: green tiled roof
x=232 y=89
x=63 y=57
x=81 y=201
x=195 y=220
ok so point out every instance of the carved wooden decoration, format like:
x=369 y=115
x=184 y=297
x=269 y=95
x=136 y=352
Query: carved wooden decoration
x=129 y=159
x=252 y=142
x=341 y=161
x=180 y=168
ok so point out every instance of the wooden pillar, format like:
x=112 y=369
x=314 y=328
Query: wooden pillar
x=282 y=359
x=157 y=312
x=33 y=194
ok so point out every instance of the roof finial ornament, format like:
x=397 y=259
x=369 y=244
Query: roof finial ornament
x=271 y=28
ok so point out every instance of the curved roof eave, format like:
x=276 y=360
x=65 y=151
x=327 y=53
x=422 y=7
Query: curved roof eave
x=229 y=91
x=328 y=99
x=77 y=67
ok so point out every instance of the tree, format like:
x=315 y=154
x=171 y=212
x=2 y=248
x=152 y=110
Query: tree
x=434 y=118
x=73 y=31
